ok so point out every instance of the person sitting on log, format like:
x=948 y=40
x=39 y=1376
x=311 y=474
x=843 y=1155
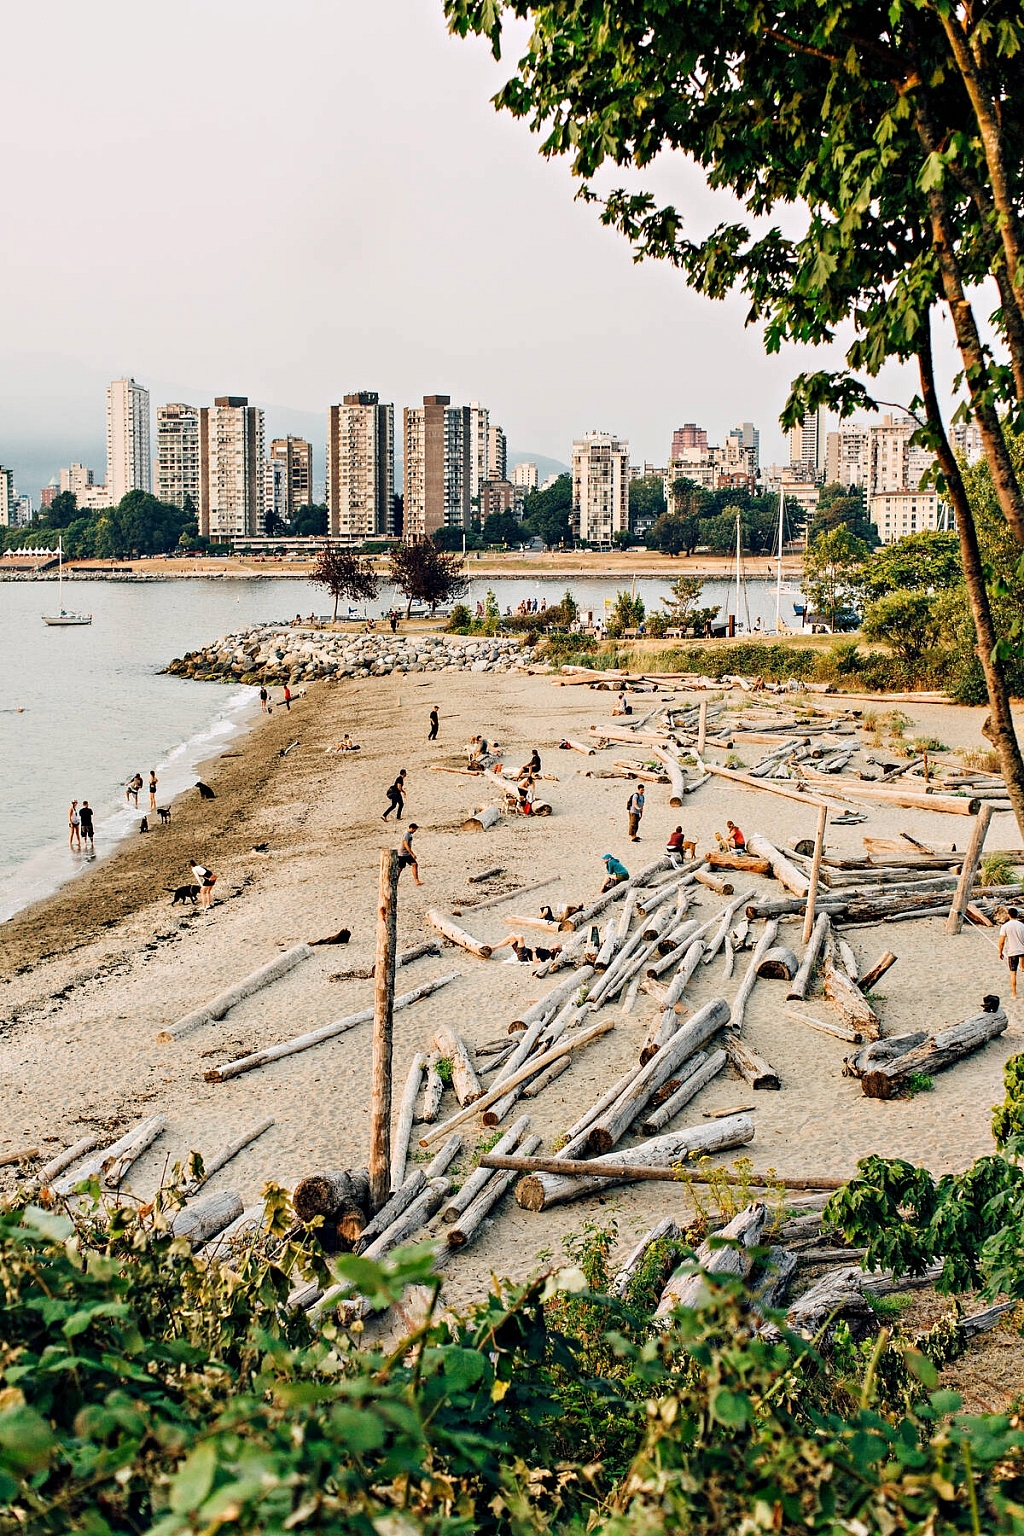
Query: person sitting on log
x=674 y=848
x=617 y=872
x=620 y=706
x=734 y=839
x=525 y=796
x=532 y=767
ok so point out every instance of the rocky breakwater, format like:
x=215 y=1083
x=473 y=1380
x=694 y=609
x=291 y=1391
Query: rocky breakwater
x=281 y=654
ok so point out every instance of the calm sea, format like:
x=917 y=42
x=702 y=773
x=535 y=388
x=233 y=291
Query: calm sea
x=83 y=709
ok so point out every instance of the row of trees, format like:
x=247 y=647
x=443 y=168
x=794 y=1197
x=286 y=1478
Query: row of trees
x=140 y=524
x=421 y=572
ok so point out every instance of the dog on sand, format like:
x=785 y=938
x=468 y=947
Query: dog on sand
x=205 y=790
x=164 y=812
x=183 y=893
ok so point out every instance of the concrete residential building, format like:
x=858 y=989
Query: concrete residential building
x=966 y=439
x=129 y=463
x=896 y=465
x=177 y=455
x=436 y=467
x=807 y=443
x=497 y=496
x=749 y=438
x=48 y=492
x=231 y=469
x=497 y=454
x=479 y=446
x=297 y=457
x=600 y=487
x=848 y=456
x=75 y=479
x=22 y=511
x=7 y=513
x=361 y=468
x=94 y=498
x=525 y=475
x=898 y=513
x=275 y=493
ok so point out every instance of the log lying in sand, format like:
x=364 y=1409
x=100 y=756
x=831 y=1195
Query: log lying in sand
x=837 y=1296
x=433 y=1092
x=826 y=1027
x=487 y=816
x=406 y=1111
x=553 y=1000
x=202 y=1219
x=465 y=1196
x=665 y=1231
x=458 y=935
x=529 y=1069
x=414 y=952
x=785 y=872
x=746 y=986
x=695 y=1033
x=779 y=963
x=464 y=1079
x=879 y=1053
x=448 y=1153
x=219 y=1005
x=879 y=794
x=243 y=1231
x=934 y=1054
x=579 y=746
x=141 y=1135
x=536 y=1192
x=496 y=901
x=219 y=1159
x=538 y=1084
x=851 y=1002
x=801 y=980
x=628 y=1173
x=318 y=1036
x=877 y=971
x=115 y=1168
x=749 y=864
x=788 y=792
x=400 y=1201
x=341 y=1197
x=468 y=1224
x=752 y=1067
x=713 y=882
x=411 y=1219
x=26 y=1155
x=686 y=1287
x=699 y=1070
x=70 y=1155
x=675 y=774
x=660 y=1033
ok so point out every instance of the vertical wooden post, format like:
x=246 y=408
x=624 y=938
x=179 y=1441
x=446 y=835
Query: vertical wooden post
x=812 y=889
x=383 y=1016
x=702 y=728
x=926 y=779
x=968 y=870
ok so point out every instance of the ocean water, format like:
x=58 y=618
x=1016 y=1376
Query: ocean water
x=83 y=709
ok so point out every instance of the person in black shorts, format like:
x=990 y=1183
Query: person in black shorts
x=407 y=854
x=396 y=796
x=85 y=823
x=434 y=722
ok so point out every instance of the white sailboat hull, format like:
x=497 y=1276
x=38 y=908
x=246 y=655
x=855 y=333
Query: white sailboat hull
x=67 y=618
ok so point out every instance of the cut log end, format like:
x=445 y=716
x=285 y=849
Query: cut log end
x=878 y=1085
x=530 y=1193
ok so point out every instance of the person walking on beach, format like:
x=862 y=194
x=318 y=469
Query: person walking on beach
x=635 y=810
x=85 y=823
x=74 y=827
x=206 y=880
x=434 y=723
x=131 y=790
x=264 y=696
x=153 y=782
x=287 y=698
x=396 y=797
x=407 y=855
x=1011 y=939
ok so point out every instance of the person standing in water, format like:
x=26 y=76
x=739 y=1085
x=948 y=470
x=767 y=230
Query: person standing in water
x=153 y=782
x=131 y=790
x=85 y=822
x=74 y=827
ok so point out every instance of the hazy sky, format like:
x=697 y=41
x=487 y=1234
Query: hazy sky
x=292 y=201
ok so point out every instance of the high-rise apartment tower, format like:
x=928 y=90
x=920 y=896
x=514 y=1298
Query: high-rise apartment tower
x=600 y=486
x=361 y=468
x=177 y=455
x=436 y=467
x=231 y=469
x=297 y=457
x=129 y=464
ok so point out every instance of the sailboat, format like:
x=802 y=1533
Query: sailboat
x=781 y=627
x=64 y=617
x=741 y=585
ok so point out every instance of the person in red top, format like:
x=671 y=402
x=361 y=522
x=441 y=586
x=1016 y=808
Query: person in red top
x=736 y=838
x=674 y=848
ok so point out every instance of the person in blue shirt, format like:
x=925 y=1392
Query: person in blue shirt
x=617 y=871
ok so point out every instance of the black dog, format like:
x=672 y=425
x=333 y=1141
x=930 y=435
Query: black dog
x=164 y=812
x=183 y=893
x=341 y=937
x=205 y=790
x=144 y=824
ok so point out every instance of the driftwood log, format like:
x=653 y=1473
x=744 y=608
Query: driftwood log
x=458 y=935
x=746 y=862
x=812 y=949
x=694 y=1034
x=341 y=1198
x=400 y=1201
x=465 y=1196
x=452 y=1047
x=469 y=1222
x=115 y=1168
x=784 y=870
x=752 y=1067
x=660 y=1034
x=713 y=882
x=877 y=971
x=699 y=1071
x=146 y=1131
x=537 y=1086
x=403 y=1128
x=487 y=816
x=70 y=1155
x=687 y=1286
x=204 y=1218
x=826 y=1027
x=412 y=1218
x=218 y=1006
x=433 y=1091
x=880 y=1052
x=934 y=1054
x=224 y=1156
x=779 y=963
x=666 y=1231
x=746 y=986
x=536 y=1192
x=305 y=1042
x=851 y=1002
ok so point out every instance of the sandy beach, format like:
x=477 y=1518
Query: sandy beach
x=91 y=975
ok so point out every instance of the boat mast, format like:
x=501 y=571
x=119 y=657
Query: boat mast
x=60 y=574
x=778 y=569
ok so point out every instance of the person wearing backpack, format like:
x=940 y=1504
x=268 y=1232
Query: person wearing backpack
x=635 y=810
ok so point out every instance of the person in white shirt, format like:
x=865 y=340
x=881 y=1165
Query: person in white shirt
x=1011 y=940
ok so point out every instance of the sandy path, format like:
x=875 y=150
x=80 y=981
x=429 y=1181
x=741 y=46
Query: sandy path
x=83 y=1001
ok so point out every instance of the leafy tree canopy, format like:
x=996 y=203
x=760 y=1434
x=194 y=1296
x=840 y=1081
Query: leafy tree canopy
x=344 y=574
x=502 y=528
x=646 y=498
x=546 y=513
x=832 y=569
x=426 y=574
x=672 y=534
x=922 y=562
x=843 y=507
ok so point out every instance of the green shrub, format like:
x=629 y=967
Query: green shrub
x=461 y=619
